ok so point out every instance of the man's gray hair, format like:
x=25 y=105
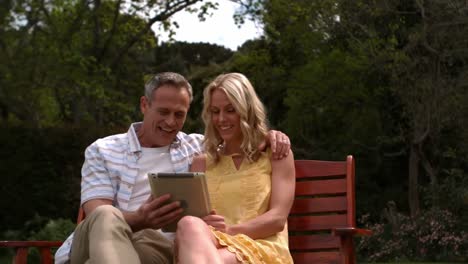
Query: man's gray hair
x=167 y=78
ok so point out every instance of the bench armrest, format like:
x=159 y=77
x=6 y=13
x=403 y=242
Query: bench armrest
x=21 y=249
x=351 y=231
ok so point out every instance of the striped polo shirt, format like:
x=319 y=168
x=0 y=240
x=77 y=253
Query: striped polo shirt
x=111 y=168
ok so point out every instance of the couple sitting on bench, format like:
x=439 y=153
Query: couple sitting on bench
x=251 y=187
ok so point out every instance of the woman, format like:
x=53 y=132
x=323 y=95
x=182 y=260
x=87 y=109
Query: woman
x=250 y=192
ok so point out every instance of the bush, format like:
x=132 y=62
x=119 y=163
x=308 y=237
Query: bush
x=54 y=230
x=434 y=235
x=38 y=228
x=41 y=172
x=58 y=229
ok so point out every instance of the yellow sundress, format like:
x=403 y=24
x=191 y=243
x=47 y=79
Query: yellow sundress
x=240 y=195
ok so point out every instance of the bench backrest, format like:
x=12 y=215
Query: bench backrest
x=324 y=200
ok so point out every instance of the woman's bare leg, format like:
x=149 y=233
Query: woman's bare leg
x=227 y=256
x=196 y=243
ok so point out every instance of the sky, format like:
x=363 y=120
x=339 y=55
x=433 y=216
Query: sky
x=217 y=29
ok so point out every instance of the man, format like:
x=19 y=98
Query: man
x=123 y=219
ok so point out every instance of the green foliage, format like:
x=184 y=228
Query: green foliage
x=41 y=166
x=434 y=235
x=452 y=193
x=423 y=63
x=41 y=228
x=377 y=79
x=55 y=230
x=40 y=169
x=382 y=80
x=254 y=59
x=38 y=228
x=331 y=92
x=78 y=62
x=200 y=63
x=181 y=57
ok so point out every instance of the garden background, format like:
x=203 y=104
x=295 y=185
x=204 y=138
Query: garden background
x=383 y=80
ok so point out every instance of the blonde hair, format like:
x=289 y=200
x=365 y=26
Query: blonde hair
x=253 y=122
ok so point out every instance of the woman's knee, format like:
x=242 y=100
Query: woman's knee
x=191 y=227
x=227 y=256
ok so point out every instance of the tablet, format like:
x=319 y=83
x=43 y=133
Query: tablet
x=189 y=188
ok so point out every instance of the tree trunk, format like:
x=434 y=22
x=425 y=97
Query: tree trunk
x=413 y=194
x=434 y=182
x=4 y=112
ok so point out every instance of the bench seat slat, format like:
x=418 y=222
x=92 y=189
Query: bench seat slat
x=336 y=186
x=316 y=223
x=314 y=242
x=317 y=168
x=317 y=257
x=319 y=205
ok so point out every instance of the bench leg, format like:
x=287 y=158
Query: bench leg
x=46 y=255
x=21 y=256
x=347 y=250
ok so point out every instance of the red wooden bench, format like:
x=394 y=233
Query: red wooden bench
x=321 y=223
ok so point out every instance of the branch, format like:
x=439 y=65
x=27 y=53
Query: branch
x=77 y=22
x=452 y=23
x=399 y=153
x=3 y=46
x=425 y=44
x=241 y=3
x=421 y=138
x=97 y=25
x=112 y=31
x=170 y=10
x=46 y=12
x=32 y=22
x=368 y=34
x=426 y=164
x=396 y=11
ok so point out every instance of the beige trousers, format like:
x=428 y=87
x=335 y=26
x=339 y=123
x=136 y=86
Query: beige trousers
x=105 y=237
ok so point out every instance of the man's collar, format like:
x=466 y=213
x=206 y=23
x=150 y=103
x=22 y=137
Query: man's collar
x=135 y=145
x=133 y=137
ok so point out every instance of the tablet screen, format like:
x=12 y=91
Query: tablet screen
x=188 y=187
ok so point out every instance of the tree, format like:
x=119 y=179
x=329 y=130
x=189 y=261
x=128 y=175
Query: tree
x=293 y=35
x=392 y=67
x=78 y=61
x=427 y=65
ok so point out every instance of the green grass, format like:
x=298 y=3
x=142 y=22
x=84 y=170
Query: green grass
x=5 y=259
